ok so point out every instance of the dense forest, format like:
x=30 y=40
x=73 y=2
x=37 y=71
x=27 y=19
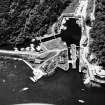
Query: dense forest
x=26 y=19
x=98 y=32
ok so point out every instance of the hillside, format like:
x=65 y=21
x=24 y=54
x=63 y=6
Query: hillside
x=25 y=19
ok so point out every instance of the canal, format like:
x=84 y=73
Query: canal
x=62 y=88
